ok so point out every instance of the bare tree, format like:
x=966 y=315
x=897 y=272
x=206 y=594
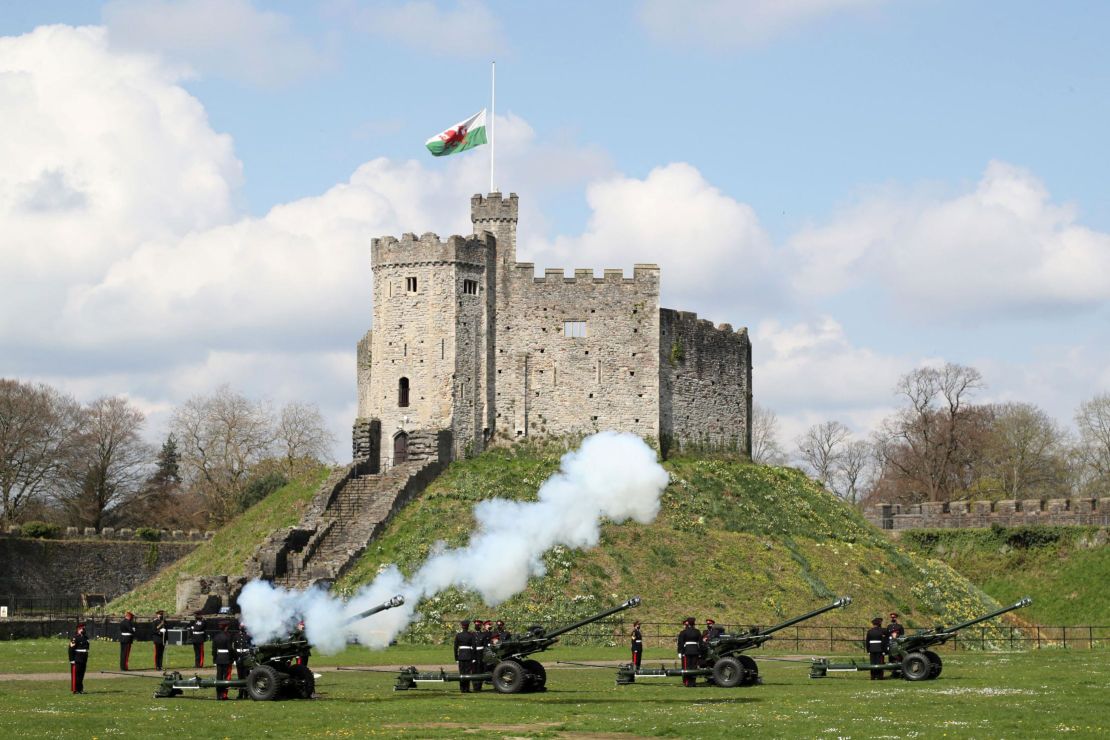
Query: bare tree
x=1025 y=453
x=766 y=449
x=1093 y=451
x=107 y=462
x=222 y=437
x=855 y=467
x=820 y=448
x=37 y=425
x=927 y=445
x=302 y=436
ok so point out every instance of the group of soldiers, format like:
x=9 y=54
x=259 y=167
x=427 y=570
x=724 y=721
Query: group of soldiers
x=227 y=650
x=469 y=646
x=878 y=641
x=691 y=645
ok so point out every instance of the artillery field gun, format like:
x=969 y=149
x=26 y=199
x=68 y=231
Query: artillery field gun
x=722 y=660
x=506 y=662
x=273 y=668
x=910 y=657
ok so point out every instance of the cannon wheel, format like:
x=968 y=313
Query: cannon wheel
x=916 y=667
x=263 y=683
x=538 y=681
x=728 y=673
x=937 y=663
x=751 y=670
x=303 y=685
x=508 y=677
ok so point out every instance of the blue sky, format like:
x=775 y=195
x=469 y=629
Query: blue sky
x=868 y=185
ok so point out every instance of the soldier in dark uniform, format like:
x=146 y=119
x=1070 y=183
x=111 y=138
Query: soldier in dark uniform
x=689 y=649
x=876 y=647
x=159 y=638
x=712 y=631
x=222 y=655
x=481 y=639
x=126 y=638
x=197 y=636
x=637 y=646
x=78 y=660
x=487 y=632
x=895 y=628
x=297 y=636
x=464 y=653
x=242 y=645
x=501 y=632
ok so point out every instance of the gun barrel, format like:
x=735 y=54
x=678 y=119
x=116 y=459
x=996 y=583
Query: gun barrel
x=1026 y=601
x=394 y=602
x=842 y=601
x=634 y=601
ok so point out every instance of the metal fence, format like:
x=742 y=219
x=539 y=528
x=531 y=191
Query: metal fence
x=64 y=605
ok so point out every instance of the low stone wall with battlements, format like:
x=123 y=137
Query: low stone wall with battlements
x=955 y=514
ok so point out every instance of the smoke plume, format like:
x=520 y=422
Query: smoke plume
x=611 y=476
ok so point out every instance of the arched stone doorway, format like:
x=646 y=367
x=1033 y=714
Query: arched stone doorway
x=400 y=448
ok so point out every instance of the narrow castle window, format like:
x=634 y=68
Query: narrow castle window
x=410 y=284
x=574 y=329
x=442 y=348
x=403 y=392
x=470 y=287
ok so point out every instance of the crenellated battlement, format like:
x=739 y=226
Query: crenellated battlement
x=689 y=320
x=428 y=248
x=1007 y=513
x=642 y=274
x=493 y=207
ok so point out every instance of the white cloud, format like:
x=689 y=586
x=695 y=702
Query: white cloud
x=714 y=254
x=467 y=28
x=228 y=38
x=1002 y=250
x=726 y=24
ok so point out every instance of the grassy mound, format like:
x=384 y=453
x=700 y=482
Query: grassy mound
x=231 y=547
x=744 y=544
x=1064 y=569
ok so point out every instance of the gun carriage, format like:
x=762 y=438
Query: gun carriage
x=274 y=668
x=910 y=656
x=722 y=660
x=505 y=662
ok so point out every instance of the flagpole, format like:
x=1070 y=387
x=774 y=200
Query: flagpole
x=492 y=120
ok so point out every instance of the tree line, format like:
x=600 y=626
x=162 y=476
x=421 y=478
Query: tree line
x=89 y=465
x=940 y=445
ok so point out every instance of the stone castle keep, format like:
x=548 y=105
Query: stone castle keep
x=467 y=340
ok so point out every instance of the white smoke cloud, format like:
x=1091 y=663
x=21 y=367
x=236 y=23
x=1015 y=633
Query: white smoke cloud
x=613 y=476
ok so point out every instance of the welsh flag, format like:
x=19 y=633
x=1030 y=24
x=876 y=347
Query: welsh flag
x=460 y=137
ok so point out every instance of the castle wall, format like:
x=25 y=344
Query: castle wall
x=705 y=384
x=548 y=383
x=958 y=514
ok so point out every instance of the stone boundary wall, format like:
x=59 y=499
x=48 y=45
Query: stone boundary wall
x=35 y=568
x=1009 y=513
x=111 y=534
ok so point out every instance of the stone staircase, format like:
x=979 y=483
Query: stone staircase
x=350 y=509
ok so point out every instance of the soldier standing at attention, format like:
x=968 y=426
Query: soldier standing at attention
x=78 y=659
x=487 y=632
x=637 y=646
x=221 y=653
x=689 y=649
x=197 y=636
x=126 y=637
x=876 y=647
x=242 y=646
x=480 y=643
x=895 y=628
x=464 y=653
x=159 y=638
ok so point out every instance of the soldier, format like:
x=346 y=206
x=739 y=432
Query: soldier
x=689 y=649
x=159 y=638
x=242 y=646
x=464 y=653
x=712 y=631
x=487 y=632
x=501 y=632
x=78 y=659
x=876 y=647
x=637 y=646
x=221 y=653
x=126 y=637
x=299 y=635
x=480 y=641
x=197 y=636
x=895 y=629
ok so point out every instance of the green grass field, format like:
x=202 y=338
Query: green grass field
x=980 y=695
